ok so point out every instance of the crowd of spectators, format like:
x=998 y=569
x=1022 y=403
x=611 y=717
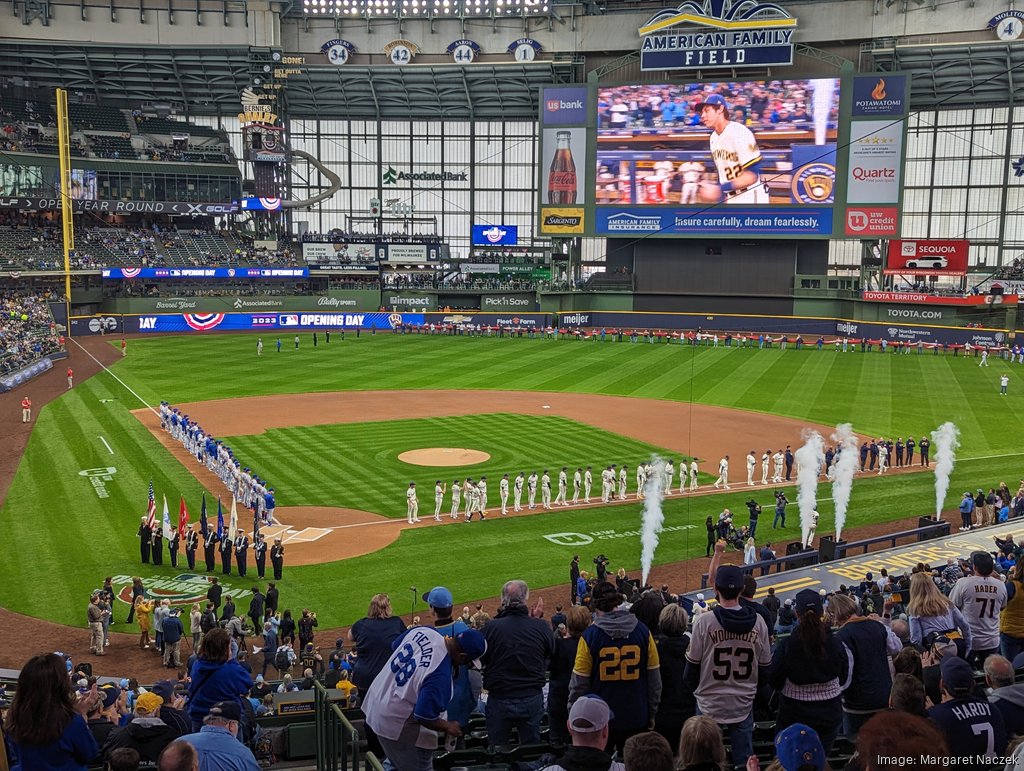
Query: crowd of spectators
x=776 y=104
x=338 y=236
x=27 y=329
x=430 y=280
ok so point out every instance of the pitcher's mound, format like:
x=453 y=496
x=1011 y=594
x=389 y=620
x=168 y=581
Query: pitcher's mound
x=444 y=456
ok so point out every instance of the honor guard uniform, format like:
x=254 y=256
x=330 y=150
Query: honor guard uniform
x=277 y=558
x=173 y=544
x=241 y=551
x=157 y=549
x=210 y=549
x=145 y=540
x=191 y=544
x=260 y=550
x=226 y=546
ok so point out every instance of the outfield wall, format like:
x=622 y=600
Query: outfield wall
x=286 y=324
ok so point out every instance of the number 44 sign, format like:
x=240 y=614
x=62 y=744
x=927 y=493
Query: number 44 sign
x=463 y=51
x=524 y=50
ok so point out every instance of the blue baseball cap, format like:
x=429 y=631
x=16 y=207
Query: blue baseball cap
x=473 y=644
x=439 y=597
x=798 y=746
x=716 y=99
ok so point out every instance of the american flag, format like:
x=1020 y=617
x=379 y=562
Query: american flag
x=151 y=507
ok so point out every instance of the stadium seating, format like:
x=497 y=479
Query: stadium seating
x=166 y=127
x=86 y=117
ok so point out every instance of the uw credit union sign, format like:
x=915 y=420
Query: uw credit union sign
x=717 y=33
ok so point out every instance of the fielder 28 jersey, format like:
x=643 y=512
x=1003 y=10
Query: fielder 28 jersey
x=415 y=683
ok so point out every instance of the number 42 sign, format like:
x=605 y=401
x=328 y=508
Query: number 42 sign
x=401 y=51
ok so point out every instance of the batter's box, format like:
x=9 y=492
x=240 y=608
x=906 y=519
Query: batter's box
x=274 y=531
x=309 y=534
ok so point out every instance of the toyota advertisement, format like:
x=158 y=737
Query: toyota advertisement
x=927 y=257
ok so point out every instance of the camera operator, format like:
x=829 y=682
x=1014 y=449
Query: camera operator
x=755 y=511
x=601 y=562
x=780 y=509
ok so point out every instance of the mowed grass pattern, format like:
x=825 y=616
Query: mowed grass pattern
x=356 y=465
x=61 y=538
x=881 y=394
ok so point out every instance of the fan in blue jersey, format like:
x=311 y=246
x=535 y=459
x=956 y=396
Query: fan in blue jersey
x=973 y=727
x=617 y=660
x=406 y=705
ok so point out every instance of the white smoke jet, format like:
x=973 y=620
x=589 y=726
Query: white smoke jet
x=945 y=441
x=844 y=467
x=652 y=518
x=809 y=460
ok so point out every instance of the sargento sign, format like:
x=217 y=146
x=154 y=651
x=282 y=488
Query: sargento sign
x=717 y=33
x=927 y=257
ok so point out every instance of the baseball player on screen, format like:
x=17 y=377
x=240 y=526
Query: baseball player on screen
x=736 y=155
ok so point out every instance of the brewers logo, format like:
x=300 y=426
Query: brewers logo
x=814 y=183
x=395 y=319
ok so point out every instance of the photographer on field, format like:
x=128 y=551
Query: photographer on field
x=601 y=563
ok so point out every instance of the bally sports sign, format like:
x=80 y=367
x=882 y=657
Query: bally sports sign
x=927 y=257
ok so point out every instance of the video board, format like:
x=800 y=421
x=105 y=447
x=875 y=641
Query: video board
x=689 y=146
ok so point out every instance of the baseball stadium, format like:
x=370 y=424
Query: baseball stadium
x=511 y=321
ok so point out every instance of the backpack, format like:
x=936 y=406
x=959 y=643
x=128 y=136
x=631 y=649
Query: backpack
x=281 y=661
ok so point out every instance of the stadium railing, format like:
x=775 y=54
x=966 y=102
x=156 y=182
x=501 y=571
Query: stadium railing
x=337 y=740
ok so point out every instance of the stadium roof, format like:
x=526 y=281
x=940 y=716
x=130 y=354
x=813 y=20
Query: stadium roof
x=208 y=80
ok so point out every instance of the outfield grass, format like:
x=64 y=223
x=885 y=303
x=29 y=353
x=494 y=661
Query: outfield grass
x=881 y=394
x=66 y=538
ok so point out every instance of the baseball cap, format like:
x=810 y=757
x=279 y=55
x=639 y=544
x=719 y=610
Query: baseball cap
x=589 y=714
x=164 y=689
x=109 y=694
x=226 y=710
x=473 y=644
x=808 y=599
x=715 y=99
x=438 y=597
x=148 y=702
x=798 y=746
x=729 y=577
x=1018 y=661
x=957 y=675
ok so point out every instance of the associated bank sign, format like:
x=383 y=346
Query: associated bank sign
x=712 y=33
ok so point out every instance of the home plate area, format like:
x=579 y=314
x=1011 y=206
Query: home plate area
x=287 y=534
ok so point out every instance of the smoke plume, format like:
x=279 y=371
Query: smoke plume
x=653 y=518
x=945 y=441
x=809 y=459
x=843 y=469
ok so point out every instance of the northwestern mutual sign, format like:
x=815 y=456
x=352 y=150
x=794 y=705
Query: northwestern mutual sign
x=717 y=33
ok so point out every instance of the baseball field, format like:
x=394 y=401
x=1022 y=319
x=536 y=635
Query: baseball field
x=326 y=427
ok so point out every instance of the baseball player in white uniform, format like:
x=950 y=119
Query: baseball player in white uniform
x=481 y=496
x=456 y=498
x=531 y=489
x=723 y=473
x=469 y=496
x=259 y=346
x=439 y=491
x=563 y=488
x=517 y=489
x=503 y=495
x=682 y=475
x=693 y=474
x=777 y=460
x=577 y=482
x=883 y=457
x=623 y=476
x=751 y=462
x=764 y=466
x=735 y=153
x=412 y=505
x=588 y=482
x=670 y=471
x=641 y=479
x=545 y=490
x=811 y=530
x=692 y=172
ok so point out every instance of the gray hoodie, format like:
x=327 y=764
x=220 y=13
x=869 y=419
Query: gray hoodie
x=618 y=624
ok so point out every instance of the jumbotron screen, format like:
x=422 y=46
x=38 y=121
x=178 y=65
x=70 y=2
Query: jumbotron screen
x=755 y=143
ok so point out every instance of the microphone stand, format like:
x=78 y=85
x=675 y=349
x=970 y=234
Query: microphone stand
x=413 y=610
